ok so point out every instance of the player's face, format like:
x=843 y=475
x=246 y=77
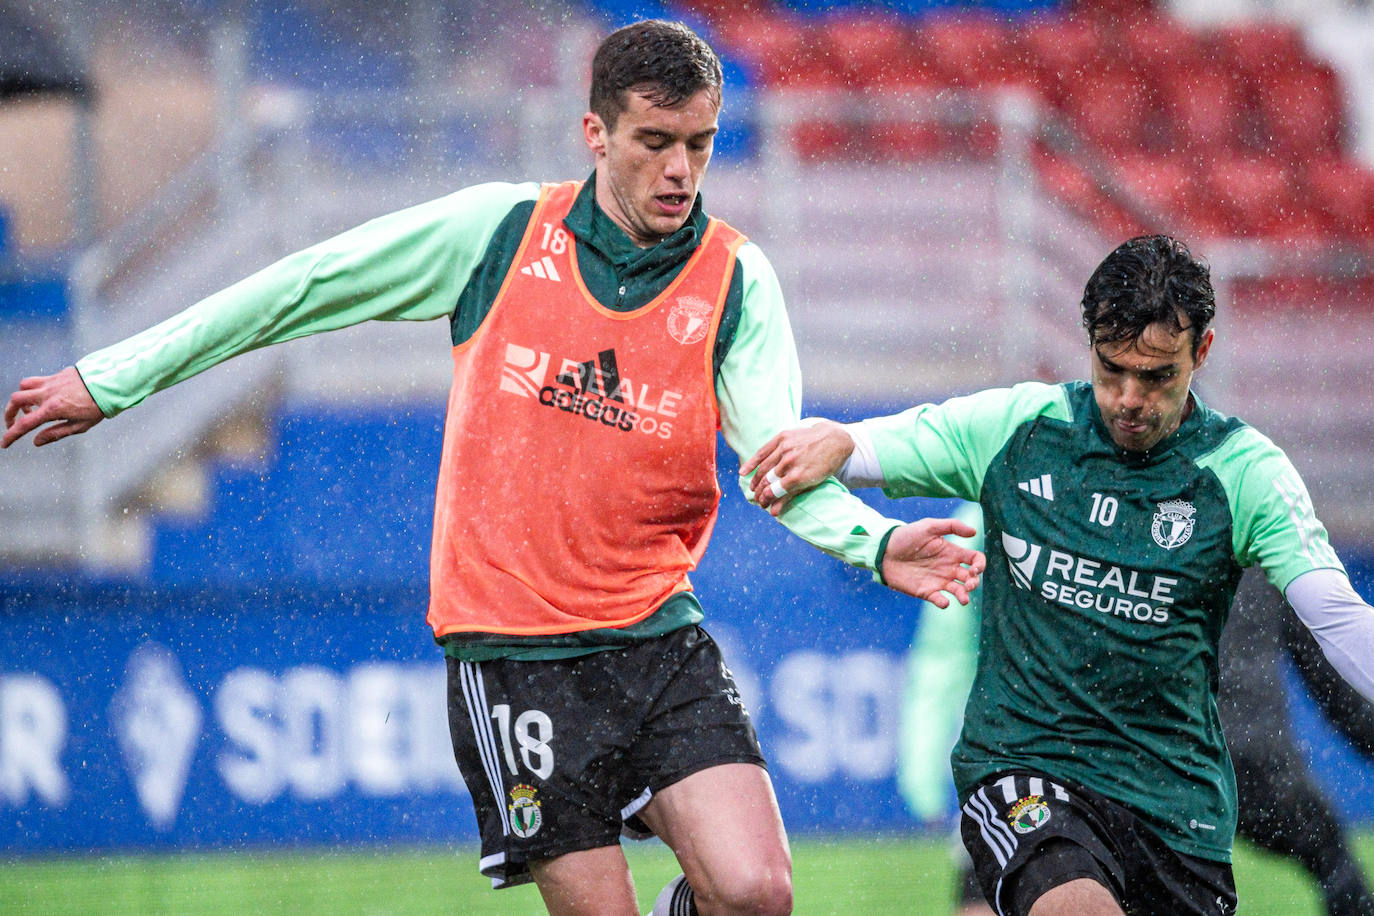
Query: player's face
x=1142 y=386
x=649 y=167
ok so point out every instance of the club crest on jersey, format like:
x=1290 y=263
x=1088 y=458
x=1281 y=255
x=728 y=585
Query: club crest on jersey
x=525 y=816
x=1029 y=814
x=689 y=319
x=1173 y=523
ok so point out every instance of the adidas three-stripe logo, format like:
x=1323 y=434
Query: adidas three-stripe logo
x=543 y=269
x=1041 y=486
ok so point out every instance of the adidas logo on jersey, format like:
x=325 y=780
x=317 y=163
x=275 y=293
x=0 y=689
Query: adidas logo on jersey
x=1041 y=486
x=543 y=269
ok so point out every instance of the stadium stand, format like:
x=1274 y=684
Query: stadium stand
x=1240 y=119
x=266 y=519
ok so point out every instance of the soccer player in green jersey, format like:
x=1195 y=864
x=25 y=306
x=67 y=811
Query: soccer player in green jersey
x=1120 y=512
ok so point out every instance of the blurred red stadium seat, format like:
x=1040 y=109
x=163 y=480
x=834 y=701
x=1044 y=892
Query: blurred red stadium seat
x=1302 y=110
x=1164 y=184
x=1157 y=45
x=1204 y=108
x=972 y=51
x=1058 y=52
x=1114 y=108
x=1343 y=191
x=1256 y=51
x=876 y=50
x=1254 y=196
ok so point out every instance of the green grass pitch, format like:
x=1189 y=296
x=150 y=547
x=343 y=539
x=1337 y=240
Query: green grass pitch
x=848 y=875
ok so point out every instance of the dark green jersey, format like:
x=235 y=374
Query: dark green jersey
x=1110 y=575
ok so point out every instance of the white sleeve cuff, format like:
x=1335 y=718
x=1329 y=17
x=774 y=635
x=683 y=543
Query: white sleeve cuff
x=862 y=468
x=1340 y=620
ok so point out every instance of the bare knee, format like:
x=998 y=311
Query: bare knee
x=757 y=892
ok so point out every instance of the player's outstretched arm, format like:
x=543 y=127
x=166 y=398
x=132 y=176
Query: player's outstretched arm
x=920 y=562
x=796 y=460
x=60 y=401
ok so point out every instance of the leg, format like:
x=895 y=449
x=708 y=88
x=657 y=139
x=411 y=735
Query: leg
x=1284 y=811
x=587 y=883
x=723 y=824
x=1079 y=897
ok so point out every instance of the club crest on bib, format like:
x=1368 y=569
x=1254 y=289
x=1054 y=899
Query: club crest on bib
x=1173 y=524
x=689 y=319
x=1029 y=814
x=525 y=816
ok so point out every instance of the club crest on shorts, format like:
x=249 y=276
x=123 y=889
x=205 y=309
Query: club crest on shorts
x=525 y=816
x=689 y=319
x=1029 y=814
x=1173 y=524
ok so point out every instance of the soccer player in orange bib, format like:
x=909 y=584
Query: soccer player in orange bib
x=602 y=331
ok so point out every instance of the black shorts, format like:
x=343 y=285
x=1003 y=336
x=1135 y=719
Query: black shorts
x=557 y=755
x=1028 y=832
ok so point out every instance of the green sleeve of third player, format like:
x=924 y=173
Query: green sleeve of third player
x=944 y=449
x=1273 y=523
x=759 y=392
x=944 y=655
x=406 y=266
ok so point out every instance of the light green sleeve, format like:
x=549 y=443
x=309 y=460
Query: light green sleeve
x=759 y=392
x=945 y=449
x=406 y=266
x=940 y=669
x=1273 y=523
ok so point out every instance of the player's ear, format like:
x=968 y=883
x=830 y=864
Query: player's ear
x=1203 y=348
x=594 y=132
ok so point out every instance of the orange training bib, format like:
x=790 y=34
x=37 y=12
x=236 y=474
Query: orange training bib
x=577 y=487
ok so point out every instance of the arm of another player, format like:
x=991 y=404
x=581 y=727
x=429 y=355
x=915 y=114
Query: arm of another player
x=1345 y=708
x=759 y=392
x=935 y=450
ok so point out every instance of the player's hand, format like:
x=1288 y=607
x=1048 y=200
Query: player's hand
x=796 y=460
x=61 y=401
x=921 y=563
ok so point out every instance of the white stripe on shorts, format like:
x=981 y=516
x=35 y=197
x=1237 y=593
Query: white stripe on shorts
x=475 y=693
x=996 y=835
x=637 y=805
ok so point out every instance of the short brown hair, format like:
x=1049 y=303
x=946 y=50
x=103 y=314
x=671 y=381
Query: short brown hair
x=1147 y=280
x=665 y=61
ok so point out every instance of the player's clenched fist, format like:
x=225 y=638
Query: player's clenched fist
x=60 y=400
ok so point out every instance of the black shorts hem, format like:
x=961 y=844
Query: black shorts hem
x=697 y=766
x=636 y=829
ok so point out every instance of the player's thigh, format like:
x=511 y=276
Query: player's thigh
x=593 y=882
x=724 y=826
x=1079 y=897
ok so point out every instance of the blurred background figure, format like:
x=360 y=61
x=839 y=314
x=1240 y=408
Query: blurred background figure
x=1283 y=808
x=944 y=653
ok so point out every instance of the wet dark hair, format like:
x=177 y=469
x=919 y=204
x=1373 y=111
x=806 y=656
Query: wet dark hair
x=1151 y=279
x=665 y=61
